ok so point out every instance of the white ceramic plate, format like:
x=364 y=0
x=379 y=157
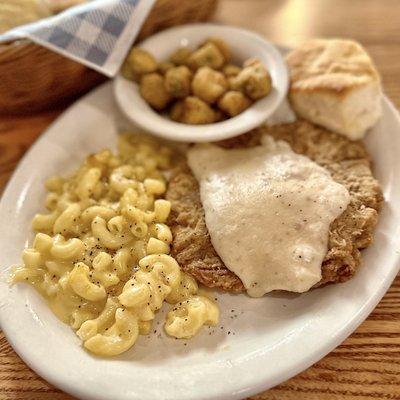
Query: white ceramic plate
x=244 y=45
x=258 y=345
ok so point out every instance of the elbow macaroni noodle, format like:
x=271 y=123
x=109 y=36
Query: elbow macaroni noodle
x=101 y=255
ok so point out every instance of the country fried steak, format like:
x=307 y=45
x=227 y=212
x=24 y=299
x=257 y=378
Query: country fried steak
x=347 y=161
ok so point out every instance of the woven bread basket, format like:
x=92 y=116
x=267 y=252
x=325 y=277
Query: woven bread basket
x=33 y=78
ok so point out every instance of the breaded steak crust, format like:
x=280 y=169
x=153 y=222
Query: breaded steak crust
x=347 y=161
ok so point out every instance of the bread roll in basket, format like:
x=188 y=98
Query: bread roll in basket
x=34 y=78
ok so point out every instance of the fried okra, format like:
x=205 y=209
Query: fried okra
x=254 y=80
x=233 y=103
x=176 y=111
x=141 y=62
x=127 y=72
x=180 y=56
x=193 y=110
x=177 y=81
x=152 y=89
x=207 y=55
x=222 y=47
x=198 y=86
x=231 y=70
x=209 y=85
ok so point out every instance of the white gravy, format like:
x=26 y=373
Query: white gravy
x=268 y=212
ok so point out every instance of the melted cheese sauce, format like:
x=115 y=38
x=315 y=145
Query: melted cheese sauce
x=268 y=212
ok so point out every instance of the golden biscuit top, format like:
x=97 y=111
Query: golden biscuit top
x=330 y=65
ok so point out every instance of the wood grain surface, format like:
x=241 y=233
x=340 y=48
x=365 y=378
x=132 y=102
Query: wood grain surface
x=367 y=364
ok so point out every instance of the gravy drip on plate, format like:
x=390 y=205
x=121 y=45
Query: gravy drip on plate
x=268 y=212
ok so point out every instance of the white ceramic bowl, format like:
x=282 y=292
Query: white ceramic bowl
x=244 y=45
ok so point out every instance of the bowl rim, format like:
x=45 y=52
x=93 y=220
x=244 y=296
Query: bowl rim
x=160 y=126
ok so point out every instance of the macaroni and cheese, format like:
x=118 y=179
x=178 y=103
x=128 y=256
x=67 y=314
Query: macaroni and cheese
x=100 y=256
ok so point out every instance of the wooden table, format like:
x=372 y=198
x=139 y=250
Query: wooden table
x=367 y=364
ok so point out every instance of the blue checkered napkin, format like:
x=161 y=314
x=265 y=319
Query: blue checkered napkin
x=97 y=34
